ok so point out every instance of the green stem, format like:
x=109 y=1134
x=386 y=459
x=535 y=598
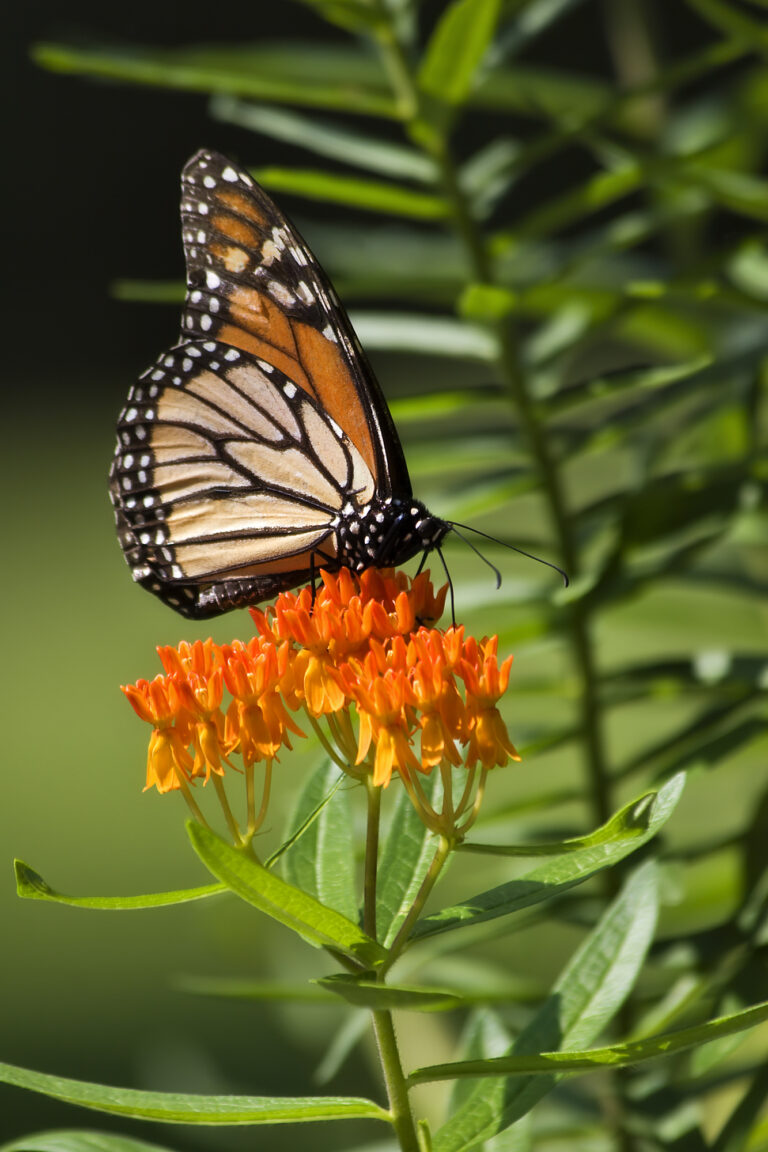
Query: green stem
x=259 y=820
x=371 y=857
x=438 y=860
x=186 y=792
x=512 y=374
x=399 y=1103
x=234 y=831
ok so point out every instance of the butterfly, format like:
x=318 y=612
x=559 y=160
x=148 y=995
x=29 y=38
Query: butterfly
x=260 y=447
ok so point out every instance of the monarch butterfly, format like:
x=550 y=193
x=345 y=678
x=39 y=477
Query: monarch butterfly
x=261 y=443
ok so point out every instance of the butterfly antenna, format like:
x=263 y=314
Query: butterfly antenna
x=477 y=552
x=450 y=583
x=512 y=548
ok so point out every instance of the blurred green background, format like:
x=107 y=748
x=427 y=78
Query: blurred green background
x=92 y=179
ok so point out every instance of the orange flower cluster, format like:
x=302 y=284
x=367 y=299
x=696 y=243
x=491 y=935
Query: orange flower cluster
x=363 y=646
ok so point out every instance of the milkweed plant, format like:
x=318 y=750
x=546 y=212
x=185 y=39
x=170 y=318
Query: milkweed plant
x=580 y=259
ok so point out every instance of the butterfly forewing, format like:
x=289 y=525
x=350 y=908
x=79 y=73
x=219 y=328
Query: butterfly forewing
x=253 y=283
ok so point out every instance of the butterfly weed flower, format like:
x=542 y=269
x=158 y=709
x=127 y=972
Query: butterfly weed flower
x=361 y=664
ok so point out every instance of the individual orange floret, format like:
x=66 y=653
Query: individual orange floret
x=202 y=658
x=485 y=683
x=440 y=706
x=257 y=721
x=164 y=702
x=385 y=709
x=199 y=666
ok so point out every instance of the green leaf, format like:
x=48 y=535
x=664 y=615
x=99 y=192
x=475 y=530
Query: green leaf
x=341 y=78
x=487 y=302
x=31 y=886
x=557 y=876
x=390 y=997
x=354 y=192
x=326 y=139
x=456 y=49
x=247 y=878
x=319 y=860
x=584 y=999
x=73 y=1140
x=353 y=15
x=182 y=1108
x=631 y=820
x=612 y=1056
x=431 y=335
x=404 y=860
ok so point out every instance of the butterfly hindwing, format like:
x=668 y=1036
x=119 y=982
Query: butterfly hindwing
x=228 y=472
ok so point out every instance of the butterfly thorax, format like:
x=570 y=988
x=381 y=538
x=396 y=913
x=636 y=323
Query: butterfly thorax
x=386 y=532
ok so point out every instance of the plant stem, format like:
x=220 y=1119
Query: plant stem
x=427 y=884
x=234 y=831
x=513 y=377
x=399 y=1103
x=371 y=857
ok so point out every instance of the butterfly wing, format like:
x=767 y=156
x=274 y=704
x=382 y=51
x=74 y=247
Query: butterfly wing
x=228 y=479
x=253 y=283
x=259 y=445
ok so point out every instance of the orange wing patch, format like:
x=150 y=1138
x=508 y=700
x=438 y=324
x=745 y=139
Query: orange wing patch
x=233 y=199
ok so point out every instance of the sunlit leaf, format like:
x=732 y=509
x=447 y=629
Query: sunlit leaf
x=354 y=192
x=329 y=139
x=181 y=1108
x=408 y=850
x=390 y=997
x=334 y=77
x=632 y=820
x=31 y=886
x=612 y=1056
x=558 y=875
x=457 y=47
x=435 y=335
x=320 y=926
x=317 y=861
x=586 y=996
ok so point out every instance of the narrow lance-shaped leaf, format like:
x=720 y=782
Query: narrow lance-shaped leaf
x=354 y=192
x=31 y=886
x=320 y=926
x=185 y=1108
x=611 y=1056
x=631 y=820
x=558 y=875
x=587 y=995
x=74 y=1140
x=343 y=79
x=318 y=861
x=407 y=853
x=432 y=335
x=326 y=139
x=390 y=997
x=456 y=49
